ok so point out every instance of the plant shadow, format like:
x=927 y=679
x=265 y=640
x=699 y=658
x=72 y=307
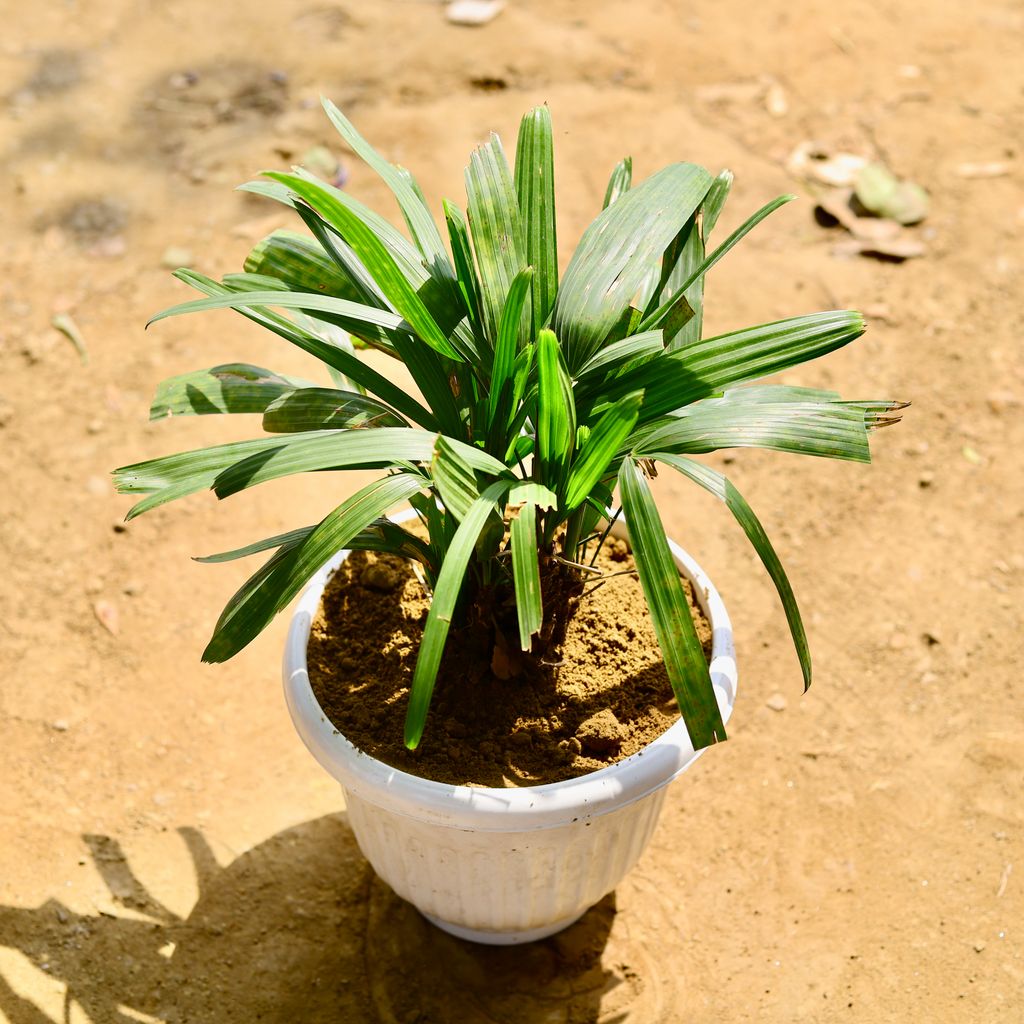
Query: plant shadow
x=300 y=929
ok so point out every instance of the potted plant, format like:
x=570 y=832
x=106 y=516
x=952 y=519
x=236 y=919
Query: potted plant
x=539 y=395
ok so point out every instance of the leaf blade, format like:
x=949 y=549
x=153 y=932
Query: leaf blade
x=535 y=186
x=229 y=388
x=658 y=316
x=666 y=599
x=723 y=489
x=496 y=229
x=374 y=255
x=256 y=604
x=526 y=574
x=604 y=443
x=620 y=181
x=442 y=607
x=315 y=408
x=618 y=253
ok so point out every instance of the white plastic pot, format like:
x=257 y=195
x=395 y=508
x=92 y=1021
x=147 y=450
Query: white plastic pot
x=502 y=866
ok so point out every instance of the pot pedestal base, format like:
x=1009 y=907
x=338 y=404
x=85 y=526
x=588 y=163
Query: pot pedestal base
x=489 y=938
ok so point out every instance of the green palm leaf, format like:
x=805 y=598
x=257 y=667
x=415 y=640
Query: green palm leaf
x=410 y=199
x=618 y=253
x=270 y=589
x=722 y=488
x=374 y=255
x=832 y=430
x=526 y=573
x=341 y=359
x=341 y=449
x=659 y=316
x=556 y=416
x=602 y=445
x=707 y=367
x=684 y=660
x=301 y=264
x=620 y=181
x=535 y=186
x=314 y=408
x=442 y=607
x=231 y=388
x=497 y=231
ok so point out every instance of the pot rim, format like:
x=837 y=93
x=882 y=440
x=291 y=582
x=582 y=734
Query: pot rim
x=509 y=809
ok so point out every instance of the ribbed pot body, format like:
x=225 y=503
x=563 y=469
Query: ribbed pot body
x=502 y=866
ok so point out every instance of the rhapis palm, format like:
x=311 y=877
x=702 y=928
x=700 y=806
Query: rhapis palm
x=537 y=396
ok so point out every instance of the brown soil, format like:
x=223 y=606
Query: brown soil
x=855 y=858
x=601 y=695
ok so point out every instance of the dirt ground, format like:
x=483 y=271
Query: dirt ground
x=170 y=852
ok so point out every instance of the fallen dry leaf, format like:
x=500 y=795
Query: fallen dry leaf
x=813 y=162
x=837 y=206
x=898 y=249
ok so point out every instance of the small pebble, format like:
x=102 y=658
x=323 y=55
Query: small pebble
x=107 y=616
x=926 y=479
x=1000 y=401
x=600 y=733
x=978 y=946
x=776 y=702
x=380 y=577
x=182 y=79
x=61 y=725
x=474 y=12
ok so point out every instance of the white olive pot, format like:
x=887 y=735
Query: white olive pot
x=502 y=866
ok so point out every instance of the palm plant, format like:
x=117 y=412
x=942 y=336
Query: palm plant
x=537 y=395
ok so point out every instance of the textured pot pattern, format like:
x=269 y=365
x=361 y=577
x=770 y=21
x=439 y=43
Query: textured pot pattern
x=502 y=865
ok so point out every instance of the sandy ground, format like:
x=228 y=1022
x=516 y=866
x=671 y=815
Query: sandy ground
x=169 y=852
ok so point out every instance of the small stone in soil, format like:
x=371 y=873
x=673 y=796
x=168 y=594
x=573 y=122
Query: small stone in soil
x=380 y=577
x=776 y=702
x=600 y=734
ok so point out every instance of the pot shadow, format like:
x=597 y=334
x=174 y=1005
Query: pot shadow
x=300 y=929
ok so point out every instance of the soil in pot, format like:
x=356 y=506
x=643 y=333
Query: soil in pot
x=597 y=696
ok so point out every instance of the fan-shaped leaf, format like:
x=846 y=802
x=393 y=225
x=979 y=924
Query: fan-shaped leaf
x=618 y=253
